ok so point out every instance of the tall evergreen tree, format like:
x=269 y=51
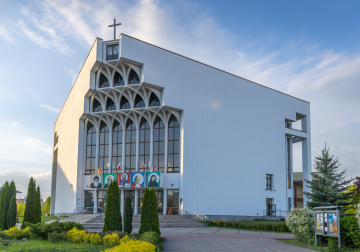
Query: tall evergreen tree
x=11 y=217
x=128 y=216
x=112 y=213
x=5 y=203
x=327 y=188
x=38 y=205
x=144 y=219
x=12 y=189
x=31 y=204
x=154 y=215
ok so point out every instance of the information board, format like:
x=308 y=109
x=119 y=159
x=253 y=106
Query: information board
x=326 y=223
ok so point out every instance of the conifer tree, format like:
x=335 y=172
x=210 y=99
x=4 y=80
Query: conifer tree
x=11 y=217
x=154 y=215
x=327 y=188
x=12 y=189
x=5 y=202
x=38 y=205
x=31 y=204
x=144 y=219
x=112 y=213
x=128 y=216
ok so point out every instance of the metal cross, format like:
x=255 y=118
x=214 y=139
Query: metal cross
x=114 y=25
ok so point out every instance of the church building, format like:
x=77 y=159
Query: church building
x=209 y=142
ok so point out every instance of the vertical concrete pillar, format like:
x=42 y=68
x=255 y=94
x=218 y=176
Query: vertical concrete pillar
x=166 y=147
x=151 y=144
x=137 y=147
x=122 y=201
x=122 y=168
x=136 y=199
x=97 y=149
x=95 y=201
x=165 y=202
x=110 y=150
x=307 y=169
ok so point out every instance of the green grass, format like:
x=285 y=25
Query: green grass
x=255 y=230
x=254 y=222
x=319 y=248
x=40 y=245
x=44 y=218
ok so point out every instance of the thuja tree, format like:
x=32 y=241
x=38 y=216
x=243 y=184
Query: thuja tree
x=112 y=212
x=154 y=218
x=328 y=187
x=30 y=213
x=11 y=216
x=4 y=206
x=144 y=219
x=38 y=204
x=128 y=216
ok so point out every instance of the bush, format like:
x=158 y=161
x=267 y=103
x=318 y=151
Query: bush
x=358 y=215
x=150 y=237
x=219 y=223
x=55 y=237
x=126 y=244
x=5 y=242
x=111 y=240
x=301 y=223
x=350 y=234
x=4 y=236
x=17 y=234
x=70 y=225
x=75 y=235
x=95 y=239
x=119 y=234
x=42 y=230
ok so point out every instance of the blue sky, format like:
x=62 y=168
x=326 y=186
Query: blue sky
x=308 y=49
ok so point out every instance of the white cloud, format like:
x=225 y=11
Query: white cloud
x=5 y=34
x=52 y=109
x=15 y=124
x=35 y=145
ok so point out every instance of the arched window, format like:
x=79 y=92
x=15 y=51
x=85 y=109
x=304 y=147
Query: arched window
x=118 y=80
x=133 y=77
x=144 y=151
x=112 y=52
x=104 y=146
x=139 y=102
x=103 y=81
x=159 y=144
x=154 y=100
x=116 y=146
x=173 y=145
x=97 y=106
x=130 y=148
x=90 y=149
x=110 y=105
x=124 y=103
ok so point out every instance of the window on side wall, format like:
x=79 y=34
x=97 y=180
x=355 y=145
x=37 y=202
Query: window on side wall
x=269 y=182
x=112 y=52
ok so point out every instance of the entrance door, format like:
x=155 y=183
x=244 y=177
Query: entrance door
x=172 y=201
x=101 y=201
x=131 y=194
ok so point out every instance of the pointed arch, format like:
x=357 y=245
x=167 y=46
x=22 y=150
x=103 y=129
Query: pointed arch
x=144 y=144
x=133 y=78
x=130 y=146
x=118 y=79
x=104 y=145
x=173 y=145
x=124 y=103
x=97 y=106
x=117 y=143
x=103 y=81
x=90 y=149
x=110 y=104
x=139 y=102
x=159 y=144
x=154 y=100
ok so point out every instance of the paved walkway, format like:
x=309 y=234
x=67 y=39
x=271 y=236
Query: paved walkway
x=220 y=239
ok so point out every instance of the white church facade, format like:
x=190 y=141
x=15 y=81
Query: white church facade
x=207 y=141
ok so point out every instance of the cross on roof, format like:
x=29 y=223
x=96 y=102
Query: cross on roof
x=114 y=25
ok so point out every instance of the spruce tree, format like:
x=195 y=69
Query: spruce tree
x=154 y=216
x=112 y=213
x=327 y=188
x=11 y=217
x=38 y=205
x=5 y=203
x=128 y=216
x=144 y=219
x=31 y=204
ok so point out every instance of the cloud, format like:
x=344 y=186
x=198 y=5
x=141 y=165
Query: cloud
x=15 y=124
x=5 y=34
x=52 y=109
x=35 y=145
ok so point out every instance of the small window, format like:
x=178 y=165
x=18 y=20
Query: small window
x=288 y=124
x=133 y=77
x=110 y=105
x=97 y=106
x=154 y=100
x=124 y=103
x=112 y=52
x=268 y=182
x=289 y=203
x=139 y=102
x=103 y=81
x=118 y=80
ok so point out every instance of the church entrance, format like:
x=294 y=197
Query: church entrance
x=172 y=201
x=159 y=197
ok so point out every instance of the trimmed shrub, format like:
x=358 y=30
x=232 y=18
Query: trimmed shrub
x=350 y=234
x=55 y=237
x=87 y=238
x=15 y=233
x=70 y=225
x=219 y=223
x=150 y=237
x=111 y=240
x=75 y=235
x=126 y=244
x=119 y=234
x=95 y=239
x=112 y=220
x=301 y=223
x=128 y=216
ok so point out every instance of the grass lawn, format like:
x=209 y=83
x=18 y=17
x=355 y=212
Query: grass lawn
x=300 y=244
x=45 y=218
x=40 y=245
